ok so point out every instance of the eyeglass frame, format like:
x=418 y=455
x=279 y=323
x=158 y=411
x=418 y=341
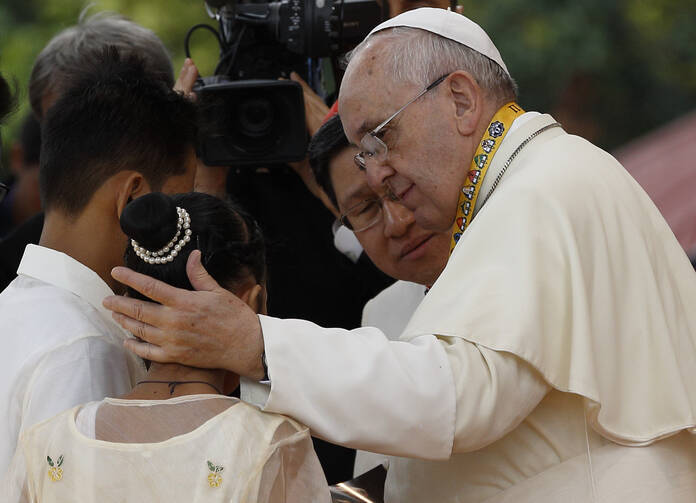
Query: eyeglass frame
x=360 y=158
x=379 y=200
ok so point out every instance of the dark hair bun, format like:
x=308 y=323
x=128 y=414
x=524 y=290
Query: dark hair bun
x=151 y=220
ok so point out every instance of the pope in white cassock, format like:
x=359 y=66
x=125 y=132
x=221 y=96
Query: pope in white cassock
x=555 y=357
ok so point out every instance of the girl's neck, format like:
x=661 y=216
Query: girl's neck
x=179 y=380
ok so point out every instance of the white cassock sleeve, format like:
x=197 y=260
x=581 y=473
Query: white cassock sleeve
x=426 y=398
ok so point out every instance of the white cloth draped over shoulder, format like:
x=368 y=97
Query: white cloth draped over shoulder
x=572 y=268
x=568 y=276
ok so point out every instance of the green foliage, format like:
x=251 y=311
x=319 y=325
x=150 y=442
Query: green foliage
x=26 y=26
x=623 y=66
x=628 y=66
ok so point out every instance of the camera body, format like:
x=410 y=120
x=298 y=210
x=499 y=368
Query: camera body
x=251 y=122
x=249 y=117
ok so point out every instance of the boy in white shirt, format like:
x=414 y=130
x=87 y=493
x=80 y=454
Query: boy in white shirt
x=117 y=131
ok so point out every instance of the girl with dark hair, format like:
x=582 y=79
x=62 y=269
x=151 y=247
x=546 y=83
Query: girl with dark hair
x=176 y=436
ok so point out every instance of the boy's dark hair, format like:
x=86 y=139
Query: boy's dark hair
x=231 y=243
x=326 y=143
x=30 y=139
x=114 y=115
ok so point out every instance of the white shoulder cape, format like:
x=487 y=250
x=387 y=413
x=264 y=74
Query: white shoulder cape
x=570 y=266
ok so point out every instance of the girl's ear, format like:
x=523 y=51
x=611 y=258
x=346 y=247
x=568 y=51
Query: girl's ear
x=255 y=298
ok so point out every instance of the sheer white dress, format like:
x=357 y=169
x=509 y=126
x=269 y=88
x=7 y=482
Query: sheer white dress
x=186 y=449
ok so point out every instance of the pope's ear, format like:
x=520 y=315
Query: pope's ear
x=467 y=101
x=132 y=185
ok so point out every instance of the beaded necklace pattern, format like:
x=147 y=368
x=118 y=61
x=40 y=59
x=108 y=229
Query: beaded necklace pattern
x=493 y=137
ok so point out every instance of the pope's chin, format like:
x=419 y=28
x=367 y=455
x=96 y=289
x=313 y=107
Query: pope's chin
x=423 y=264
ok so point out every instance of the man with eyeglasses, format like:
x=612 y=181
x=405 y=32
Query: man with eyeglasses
x=384 y=227
x=554 y=359
x=388 y=234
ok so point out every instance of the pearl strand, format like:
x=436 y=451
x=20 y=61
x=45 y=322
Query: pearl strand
x=172 y=249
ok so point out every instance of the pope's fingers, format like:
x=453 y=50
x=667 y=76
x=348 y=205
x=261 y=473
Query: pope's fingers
x=146 y=351
x=144 y=319
x=198 y=276
x=150 y=287
x=141 y=330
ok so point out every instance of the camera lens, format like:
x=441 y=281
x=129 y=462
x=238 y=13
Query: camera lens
x=255 y=117
x=251 y=122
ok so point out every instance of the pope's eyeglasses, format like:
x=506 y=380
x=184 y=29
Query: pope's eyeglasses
x=373 y=148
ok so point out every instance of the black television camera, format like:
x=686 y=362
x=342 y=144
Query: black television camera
x=249 y=117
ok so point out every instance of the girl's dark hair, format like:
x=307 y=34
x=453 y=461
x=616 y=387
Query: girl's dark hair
x=230 y=241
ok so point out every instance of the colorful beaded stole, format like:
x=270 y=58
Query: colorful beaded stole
x=492 y=138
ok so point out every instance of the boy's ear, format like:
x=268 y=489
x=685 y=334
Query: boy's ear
x=131 y=186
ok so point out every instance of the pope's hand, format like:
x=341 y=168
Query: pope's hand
x=206 y=328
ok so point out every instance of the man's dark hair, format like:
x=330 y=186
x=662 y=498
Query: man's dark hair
x=114 y=115
x=326 y=143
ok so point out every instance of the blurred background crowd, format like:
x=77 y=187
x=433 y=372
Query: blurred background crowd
x=620 y=73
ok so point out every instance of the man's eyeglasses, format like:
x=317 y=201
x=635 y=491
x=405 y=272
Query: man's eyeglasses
x=366 y=213
x=373 y=148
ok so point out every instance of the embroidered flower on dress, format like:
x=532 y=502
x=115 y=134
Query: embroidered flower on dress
x=55 y=472
x=214 y=477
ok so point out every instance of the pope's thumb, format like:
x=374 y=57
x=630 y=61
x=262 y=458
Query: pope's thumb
x=197 y=275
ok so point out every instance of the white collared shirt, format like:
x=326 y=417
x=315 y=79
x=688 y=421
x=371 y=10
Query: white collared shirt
x=60 y=346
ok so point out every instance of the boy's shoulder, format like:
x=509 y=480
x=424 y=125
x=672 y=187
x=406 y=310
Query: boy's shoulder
x=40 y=317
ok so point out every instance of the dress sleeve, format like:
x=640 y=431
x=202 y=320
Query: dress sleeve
x=15 y=482
x=292 y=471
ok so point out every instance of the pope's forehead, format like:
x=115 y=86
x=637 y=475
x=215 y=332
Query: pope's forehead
x=365 y=69
x=368 y=90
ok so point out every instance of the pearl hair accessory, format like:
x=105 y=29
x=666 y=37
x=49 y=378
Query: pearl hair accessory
x=172 y=248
